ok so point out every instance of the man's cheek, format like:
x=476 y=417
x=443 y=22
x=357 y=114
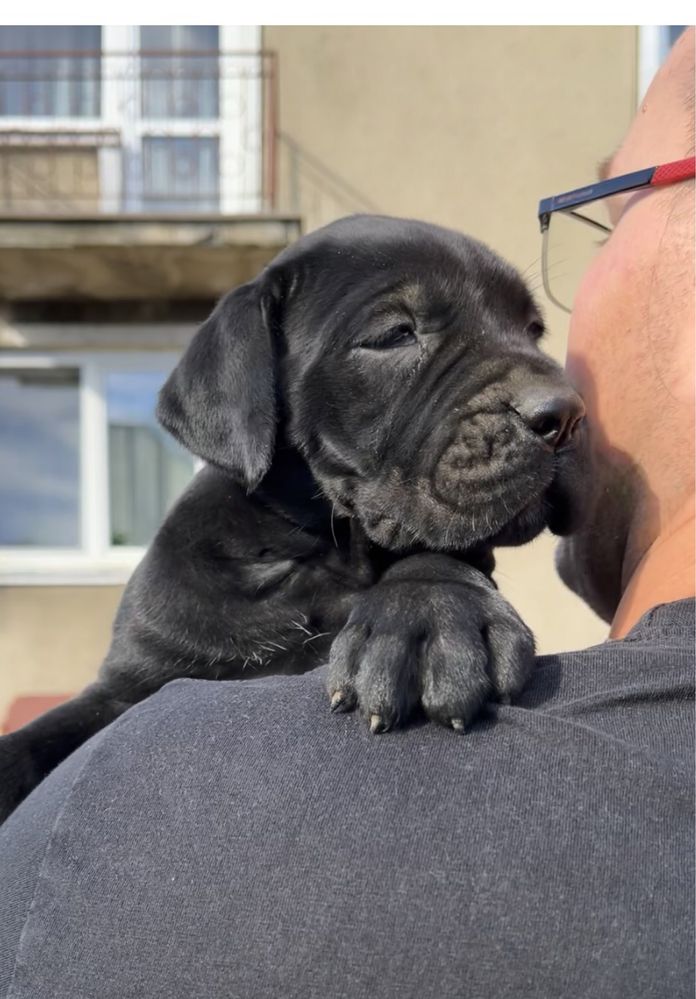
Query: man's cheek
x=592 y=343
x=585 y=324
x=594 y=282
x=600 y=303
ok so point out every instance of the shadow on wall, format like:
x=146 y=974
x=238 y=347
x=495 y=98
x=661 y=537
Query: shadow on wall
x=314 y=190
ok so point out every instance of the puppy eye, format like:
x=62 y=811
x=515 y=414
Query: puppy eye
x=536 y=329
x=402 y=335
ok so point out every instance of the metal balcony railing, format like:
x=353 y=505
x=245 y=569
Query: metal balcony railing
x=155 y=132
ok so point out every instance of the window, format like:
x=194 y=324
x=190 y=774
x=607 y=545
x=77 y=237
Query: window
x=40 y=457
x=181 y=174
x=178 y=83
x=65 y=85
x=87 y=474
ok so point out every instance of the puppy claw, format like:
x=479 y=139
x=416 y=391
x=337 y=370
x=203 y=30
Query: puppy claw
x=457 y=724
x=343 y=700
x=377 y=724
x=337 y=700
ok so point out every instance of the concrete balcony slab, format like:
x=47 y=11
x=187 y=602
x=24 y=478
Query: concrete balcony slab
x=136 y=256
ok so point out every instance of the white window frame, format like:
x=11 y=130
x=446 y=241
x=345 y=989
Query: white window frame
x=96 y=561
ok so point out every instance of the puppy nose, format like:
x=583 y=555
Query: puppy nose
x=554 y=416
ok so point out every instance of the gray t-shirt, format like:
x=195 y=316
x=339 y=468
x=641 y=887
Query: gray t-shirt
x=230 y=840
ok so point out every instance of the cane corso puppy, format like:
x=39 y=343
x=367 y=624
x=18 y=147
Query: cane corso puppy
x=376 y=416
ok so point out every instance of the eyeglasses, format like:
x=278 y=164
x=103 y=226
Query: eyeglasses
x=568 y=250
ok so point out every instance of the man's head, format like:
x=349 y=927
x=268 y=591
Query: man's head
x=631 y=352
x=401 y=360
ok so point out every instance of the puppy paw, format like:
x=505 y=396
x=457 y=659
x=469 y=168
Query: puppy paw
x=445 y=645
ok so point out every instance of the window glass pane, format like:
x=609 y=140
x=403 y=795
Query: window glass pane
x=147 y=468
x=40 y=457
x=43 y=85
x=181 y=174
x=181 y=85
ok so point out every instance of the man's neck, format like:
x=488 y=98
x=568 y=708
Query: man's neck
x=664 y=573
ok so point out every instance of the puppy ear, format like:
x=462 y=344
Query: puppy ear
x=219 y=401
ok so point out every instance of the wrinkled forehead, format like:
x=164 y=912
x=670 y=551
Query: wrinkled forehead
x=411 y=266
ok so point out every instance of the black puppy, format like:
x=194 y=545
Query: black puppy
x=377 y=416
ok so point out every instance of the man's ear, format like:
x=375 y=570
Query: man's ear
x=219 y=401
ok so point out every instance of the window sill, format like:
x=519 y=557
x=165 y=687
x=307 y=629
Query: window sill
x=51 y=569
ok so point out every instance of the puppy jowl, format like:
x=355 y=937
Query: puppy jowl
x=376 y=415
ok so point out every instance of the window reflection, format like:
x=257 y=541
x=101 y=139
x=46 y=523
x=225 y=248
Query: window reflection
x=40 y=457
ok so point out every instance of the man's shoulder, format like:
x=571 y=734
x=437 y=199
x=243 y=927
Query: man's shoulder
x=644 y=681
x=243 y=822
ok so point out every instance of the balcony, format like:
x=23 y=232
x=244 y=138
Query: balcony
x=127 y=174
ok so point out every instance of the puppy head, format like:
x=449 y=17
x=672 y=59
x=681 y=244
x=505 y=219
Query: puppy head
x=404 y=359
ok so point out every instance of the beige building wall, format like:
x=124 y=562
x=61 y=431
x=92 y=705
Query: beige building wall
x=52 y=638
x=466 y=127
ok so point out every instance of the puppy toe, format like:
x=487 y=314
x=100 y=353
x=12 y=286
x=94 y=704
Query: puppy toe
x=511 y=654
x=386 y=684
x=456 y=685
x=344 y=659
